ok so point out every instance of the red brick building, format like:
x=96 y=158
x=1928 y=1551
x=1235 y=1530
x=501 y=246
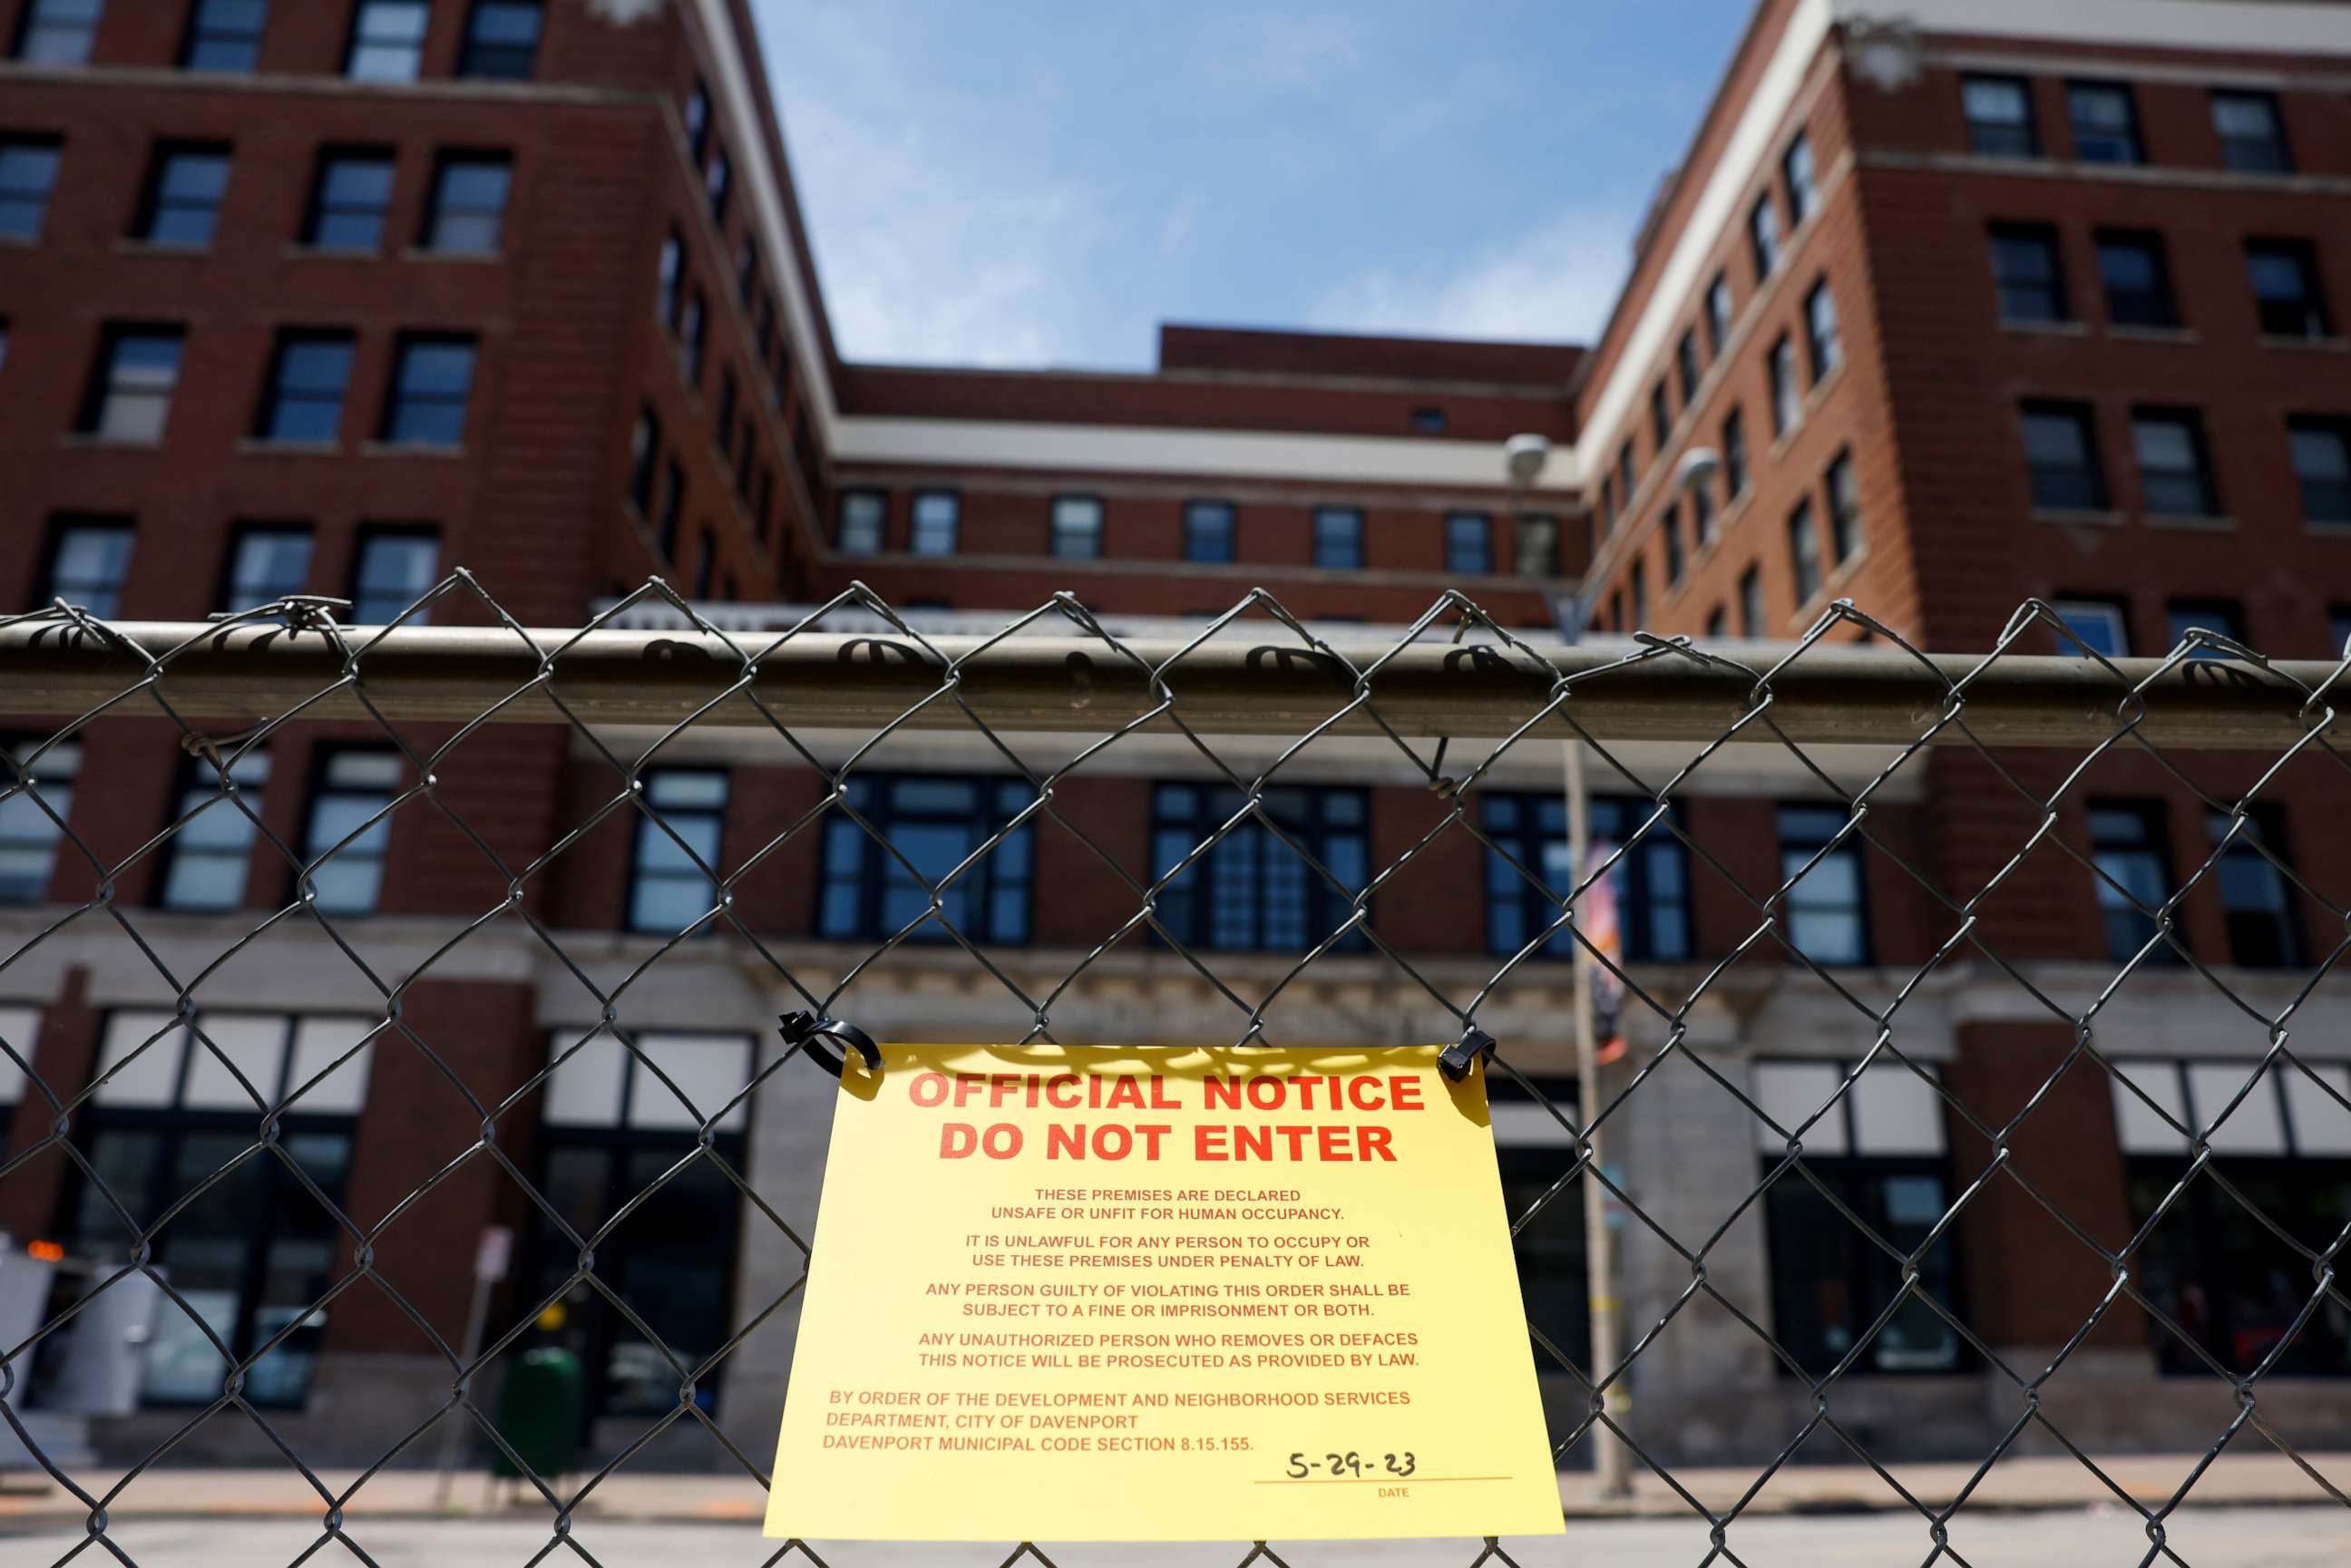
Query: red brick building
x=1938 y=313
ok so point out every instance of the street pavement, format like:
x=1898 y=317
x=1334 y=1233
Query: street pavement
x=2316 y=1536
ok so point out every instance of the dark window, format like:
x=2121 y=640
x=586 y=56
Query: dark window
x=2234 y=1286
x=624 y=1157
x=680 y=836
x=1637 y=585
x=1625 y=478
x=1832 y=1282
x=1525 y=900
x=672 y=510
x=1826 y=908
x=1844 y=508
x=249 y=1244
x=669 y=279
x=1538 y=547
x=729 y=394
x=1608 y=502
x=1252 y=891
x=2061 y=453
x=2322 y=465
x=388 y=40
x=2026 y=272
x=693 y=336
x=309 y=374
x=1686 y=365
x=2286 y=295
x=1804 y=553
x=1763 y=237
x=348 y=834
x=745 y=450
x=747 y=270
x=224 y=34
x=180 y=201
x=1822 y=338
x=210 y=851
x=2133 y=880
x=501 y=39
x=938 y=516
x=932 y=824
x=2222 y=615
x=2174 y=468
x=2100 y=626
x=718 y=182
x=431 y=380
x=2138 y=280
x=1718 y=623
x=469 y=202
x=1661 y=417
x=1077 y=530
x=1211 y=531
x=2000 y=117
x=88 y=559
x=1718 y=314
x=1338 y=537
x=2104 y=118
x=644 y=460
x=1468 y=542
x=395 y=569
x=29 y=835
x=130 y=396
x=265 y=565
x=1429 y=420
x=28 y=171
x=861 y=515
x=697 y=121
x=1734 y=453
x=1750 y=603
x=1787 y=403
x=347 y=200
x=2251 y=130
x=58 y=31
x=1701 y=499
x=1797 y=166
x=704 y=562
x=2257 y=901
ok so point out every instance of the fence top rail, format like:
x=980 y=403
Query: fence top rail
x=1827 y=694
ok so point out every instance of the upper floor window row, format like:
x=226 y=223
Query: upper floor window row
x=1076 y=530
x=500 y=41
x=2134 y=272
x=2102 y=120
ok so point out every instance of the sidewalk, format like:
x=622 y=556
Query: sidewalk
x=2235 y=1480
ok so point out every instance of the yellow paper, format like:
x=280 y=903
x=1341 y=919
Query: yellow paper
x=1041 y=1307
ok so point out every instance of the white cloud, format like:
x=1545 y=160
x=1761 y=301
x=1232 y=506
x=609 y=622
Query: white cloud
x=936 y=243
x=1555 y=282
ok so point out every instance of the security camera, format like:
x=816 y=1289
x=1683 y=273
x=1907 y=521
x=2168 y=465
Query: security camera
x=1697 y=468
x=1525 y=455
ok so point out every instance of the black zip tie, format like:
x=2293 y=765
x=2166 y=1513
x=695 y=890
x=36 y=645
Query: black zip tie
x=804 y=1029
x=1475 y=1043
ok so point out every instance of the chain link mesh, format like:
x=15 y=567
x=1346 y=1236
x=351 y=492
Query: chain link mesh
x=1258 y=991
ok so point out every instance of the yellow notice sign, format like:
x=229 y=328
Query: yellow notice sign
x=1068 y=1294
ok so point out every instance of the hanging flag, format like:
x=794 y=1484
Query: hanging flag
x=1599 y=913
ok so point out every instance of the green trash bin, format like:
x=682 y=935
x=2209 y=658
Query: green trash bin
x=542 y=1407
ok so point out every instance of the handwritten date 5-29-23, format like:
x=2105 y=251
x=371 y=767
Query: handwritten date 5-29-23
x=1351 y=1465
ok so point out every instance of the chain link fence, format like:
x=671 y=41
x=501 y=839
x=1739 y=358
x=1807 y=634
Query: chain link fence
x=1932 y=814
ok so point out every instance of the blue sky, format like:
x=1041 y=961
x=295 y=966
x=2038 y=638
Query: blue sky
x=1043 y=182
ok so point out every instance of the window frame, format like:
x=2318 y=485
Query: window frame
x=1802 y=179
x=368 y=847
x=232 y=596
x=650 y=834
x=2189 y=423
x=2114 y=910
x=2333 y=428
x=48 y=151
x=319 y=210
x=1841 y=484
x=157 y=203
x=277 y=395
x=923 y=535
x=1804 y=553
x=198 y=36
x=108 y=382
x=372 y=535
x=441 y=213
x=33 y=27
x=1786 y=386
x=1823 y=332
x=2316 y=321
x=1808 y=845
x=871 y=873
x=49 y=769
x=1468 y=543
x=2095 y=493
x=2275 y=154
x=2076 y=611
x=1198 y=908
x=63 y=527
x=500 y=59
x=203 y=784
x=1200 y=544
x=2128 y=136
x=1763 y=238
x=2019 y=140
x=389 y=46
x=403 y=403
x=2045 y=297
x=2161 y=310
x=1060 y=535
x=1334 y=548
x=1519 y=823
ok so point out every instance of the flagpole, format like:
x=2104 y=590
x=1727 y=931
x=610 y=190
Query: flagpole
x=1610 y=1462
